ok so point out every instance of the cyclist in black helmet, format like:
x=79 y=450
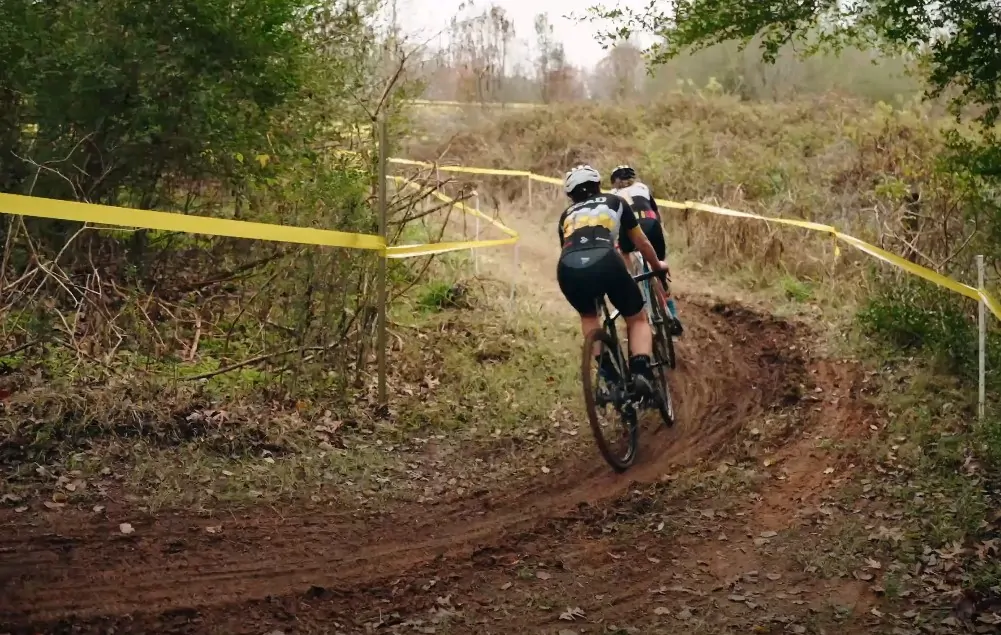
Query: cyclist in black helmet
x=639 y=197
x=589 y=267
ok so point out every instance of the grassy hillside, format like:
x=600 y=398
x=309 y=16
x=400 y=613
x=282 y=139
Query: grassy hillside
x=827 y=159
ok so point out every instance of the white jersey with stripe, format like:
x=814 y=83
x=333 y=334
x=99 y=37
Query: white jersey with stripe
x=638 y=195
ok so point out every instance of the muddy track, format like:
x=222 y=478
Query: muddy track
x=72 y=569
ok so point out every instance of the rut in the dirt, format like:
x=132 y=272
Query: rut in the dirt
x=734 y=366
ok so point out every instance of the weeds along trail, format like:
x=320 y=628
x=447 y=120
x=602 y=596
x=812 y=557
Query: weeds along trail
x=736 y=366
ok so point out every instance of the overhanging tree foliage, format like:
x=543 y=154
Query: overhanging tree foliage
x=960 y=40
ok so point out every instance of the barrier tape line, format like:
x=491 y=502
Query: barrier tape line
x=169 y=221
x=110 y=216
x=459 y=204
x=872 y=250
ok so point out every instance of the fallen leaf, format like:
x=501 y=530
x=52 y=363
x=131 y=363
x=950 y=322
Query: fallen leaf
x=571 y=614
x=98 y=509
x=773 y=576
x=214 y=529
x=52 y=505
x=506 y=586
x=768 y=534
x=545 y=470
x=22 y=508
x=60 y=497
x=737 y=598
x=863 y=576
x=126 y=528
x=873 y=564
x=829 y=470
x=660 y=610
x=654 y=560
x=543 y=575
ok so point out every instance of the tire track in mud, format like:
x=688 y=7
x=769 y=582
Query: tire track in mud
x=734 y=365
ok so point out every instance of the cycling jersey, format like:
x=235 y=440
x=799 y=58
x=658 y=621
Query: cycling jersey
x=599 y=221
x=638 y=195
x=589 y=267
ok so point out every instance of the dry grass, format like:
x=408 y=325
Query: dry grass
x=461 y=376
x=827 y=159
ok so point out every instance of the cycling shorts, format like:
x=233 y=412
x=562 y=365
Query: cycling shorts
x=585 y=276
x=654 y=233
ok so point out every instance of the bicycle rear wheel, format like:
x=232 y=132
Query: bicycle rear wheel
x=620 y=444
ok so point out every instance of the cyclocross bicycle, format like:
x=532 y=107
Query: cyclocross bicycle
x=616 y=388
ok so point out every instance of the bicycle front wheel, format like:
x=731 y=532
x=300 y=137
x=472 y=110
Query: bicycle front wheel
x=663 y=352
x=606 y=398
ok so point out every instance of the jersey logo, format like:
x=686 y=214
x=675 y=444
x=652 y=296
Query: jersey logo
x=594 y=213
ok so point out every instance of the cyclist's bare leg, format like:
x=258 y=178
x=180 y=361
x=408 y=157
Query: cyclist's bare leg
x=589 y=323
x=640 y=334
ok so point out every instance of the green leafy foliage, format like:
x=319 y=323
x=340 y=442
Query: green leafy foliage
x=911 y=313
x=234 y=110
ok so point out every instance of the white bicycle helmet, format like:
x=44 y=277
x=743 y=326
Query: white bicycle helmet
x=580 y=175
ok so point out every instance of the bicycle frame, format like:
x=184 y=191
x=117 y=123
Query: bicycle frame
x=608 y=323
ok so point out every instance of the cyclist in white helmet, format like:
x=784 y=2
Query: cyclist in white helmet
x=641 y=199
x=590 y=267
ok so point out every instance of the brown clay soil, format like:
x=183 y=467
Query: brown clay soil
x=578 y=549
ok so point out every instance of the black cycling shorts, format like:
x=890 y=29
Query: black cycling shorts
x=654 y=233
x=587 y=275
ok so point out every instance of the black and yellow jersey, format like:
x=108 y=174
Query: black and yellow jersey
x=597 y=222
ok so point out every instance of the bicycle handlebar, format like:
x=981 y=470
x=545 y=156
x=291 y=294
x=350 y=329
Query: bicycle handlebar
x=646 y=275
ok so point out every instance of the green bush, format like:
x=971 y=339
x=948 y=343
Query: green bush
x=914 y=314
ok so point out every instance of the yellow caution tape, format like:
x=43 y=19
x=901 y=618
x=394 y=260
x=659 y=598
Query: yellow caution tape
x=459 y=168
x=459 y=204
x=861 y=245
x=410 y=251
x=472 y=212
x=872 y=250
x=910 y=267
x=166 y=221
x=545 y=179
x=487 y=104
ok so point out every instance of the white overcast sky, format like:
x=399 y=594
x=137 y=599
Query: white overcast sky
x=426 y=18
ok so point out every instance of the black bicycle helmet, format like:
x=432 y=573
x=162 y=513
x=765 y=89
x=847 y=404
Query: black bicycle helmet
x=623 y=173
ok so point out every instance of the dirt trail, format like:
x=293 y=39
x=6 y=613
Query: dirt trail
x=438 y=565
